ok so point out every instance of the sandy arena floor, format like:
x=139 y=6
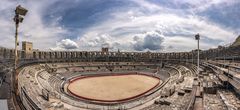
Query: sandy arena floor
x=112 y=88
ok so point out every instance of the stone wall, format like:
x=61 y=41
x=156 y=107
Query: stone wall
x=6 y=53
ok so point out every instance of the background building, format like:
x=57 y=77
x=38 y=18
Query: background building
x=27 y=48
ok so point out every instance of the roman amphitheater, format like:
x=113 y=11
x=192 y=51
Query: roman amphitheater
x=73 y=80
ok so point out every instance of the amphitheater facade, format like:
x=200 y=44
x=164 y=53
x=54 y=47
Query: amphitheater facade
x=73 y=80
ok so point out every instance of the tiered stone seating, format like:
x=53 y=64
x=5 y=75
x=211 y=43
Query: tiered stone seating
x=44 y=75
x=55 y=83
x=173 y=72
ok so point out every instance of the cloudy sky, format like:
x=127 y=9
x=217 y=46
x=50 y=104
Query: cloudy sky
x=127 y=25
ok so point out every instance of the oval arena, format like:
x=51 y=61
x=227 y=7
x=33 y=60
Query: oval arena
x=103 y=85
x=112 y=88
x=115 y=81
x=121 y=80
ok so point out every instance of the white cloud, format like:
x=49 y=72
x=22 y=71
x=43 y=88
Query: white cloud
x=66 y=44
x=94 y=42
x=148 y=41
x=34 y=29
x=202 y=5
x=147 y=5
x=122 y=30
x=118 y=32
x=179 y=43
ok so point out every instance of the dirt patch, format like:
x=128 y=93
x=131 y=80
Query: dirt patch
x=112 y=88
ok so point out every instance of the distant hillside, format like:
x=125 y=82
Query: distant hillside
x=237 y=42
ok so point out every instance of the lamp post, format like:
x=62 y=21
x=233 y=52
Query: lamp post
x=197 y=37
x=19 y=13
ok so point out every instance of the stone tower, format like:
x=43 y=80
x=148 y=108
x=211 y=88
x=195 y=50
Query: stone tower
x=105 y=49
x=27 y=48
